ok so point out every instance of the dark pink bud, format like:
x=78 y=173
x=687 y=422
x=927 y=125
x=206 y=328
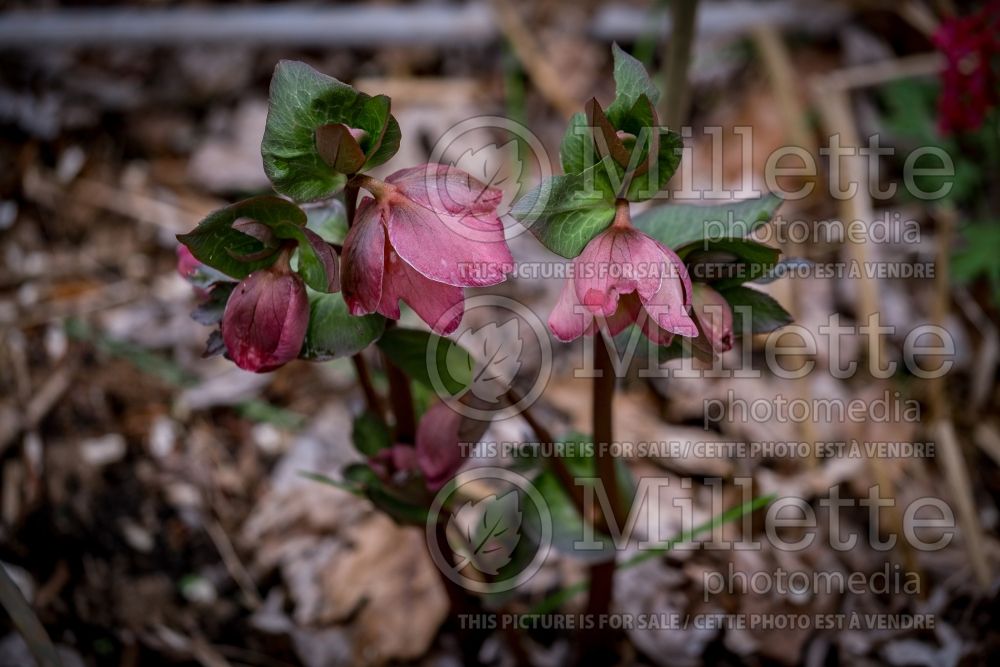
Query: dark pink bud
x=394 y=462
x=439 y=452
x=713 y=316
x=265 y=319
x=187 y=265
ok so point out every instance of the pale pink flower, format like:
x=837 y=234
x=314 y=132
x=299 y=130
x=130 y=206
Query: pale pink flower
x=624 y=277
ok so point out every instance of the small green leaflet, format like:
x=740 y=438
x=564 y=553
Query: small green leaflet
x=566 y=212
x=333 y=332
x=631 y=81
x=303 y=100
x=215 y=243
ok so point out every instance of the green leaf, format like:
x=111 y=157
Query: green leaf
x=566 y=212
x=215 y=243
x=646 y=185
x=350 y=487
x=573 y=151
x=567 y=524
x=333 y=332
x=645 y=177
x=675 y=225
x=317 y=261
x=765 y=313
x=401 y=510
x=370 y=434
x=329 y=221
x=728 y=262
x=388 y=145
x=303 y=100
x=408 y=349
x=631 y=81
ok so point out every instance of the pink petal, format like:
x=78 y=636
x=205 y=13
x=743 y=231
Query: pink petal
x=363 y=260
x=457 y=249
x=187 y=265
x=628 y=311
x=443 y=188
x=440 y=306
x=668 y=307
x=652 y=330
x=439 y=454
x=569 y=319
x=616 y=262
x=265 y=320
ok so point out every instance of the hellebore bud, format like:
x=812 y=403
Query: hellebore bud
x=266 y=317
x=714 y=317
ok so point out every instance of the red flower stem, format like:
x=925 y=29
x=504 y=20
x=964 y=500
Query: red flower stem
x=350 y=201
x=602 y=574
x=401 y=400
x=372 y=399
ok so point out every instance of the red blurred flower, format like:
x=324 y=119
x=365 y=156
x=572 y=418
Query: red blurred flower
x=969 y=82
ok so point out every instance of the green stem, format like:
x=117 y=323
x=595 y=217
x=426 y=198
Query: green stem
x=675 y=100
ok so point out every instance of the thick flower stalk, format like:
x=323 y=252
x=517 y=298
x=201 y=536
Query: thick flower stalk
x=426 y=233
x=623 y=277
x=266 y=317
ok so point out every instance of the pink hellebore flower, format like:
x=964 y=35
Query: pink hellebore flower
x=624 y=277
x=428 y=232
x=265 y=320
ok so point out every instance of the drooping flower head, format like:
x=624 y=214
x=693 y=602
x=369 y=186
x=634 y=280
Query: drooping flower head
x=623 y=277
x=266 y=317
x=970 y=80
x=428 y=232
